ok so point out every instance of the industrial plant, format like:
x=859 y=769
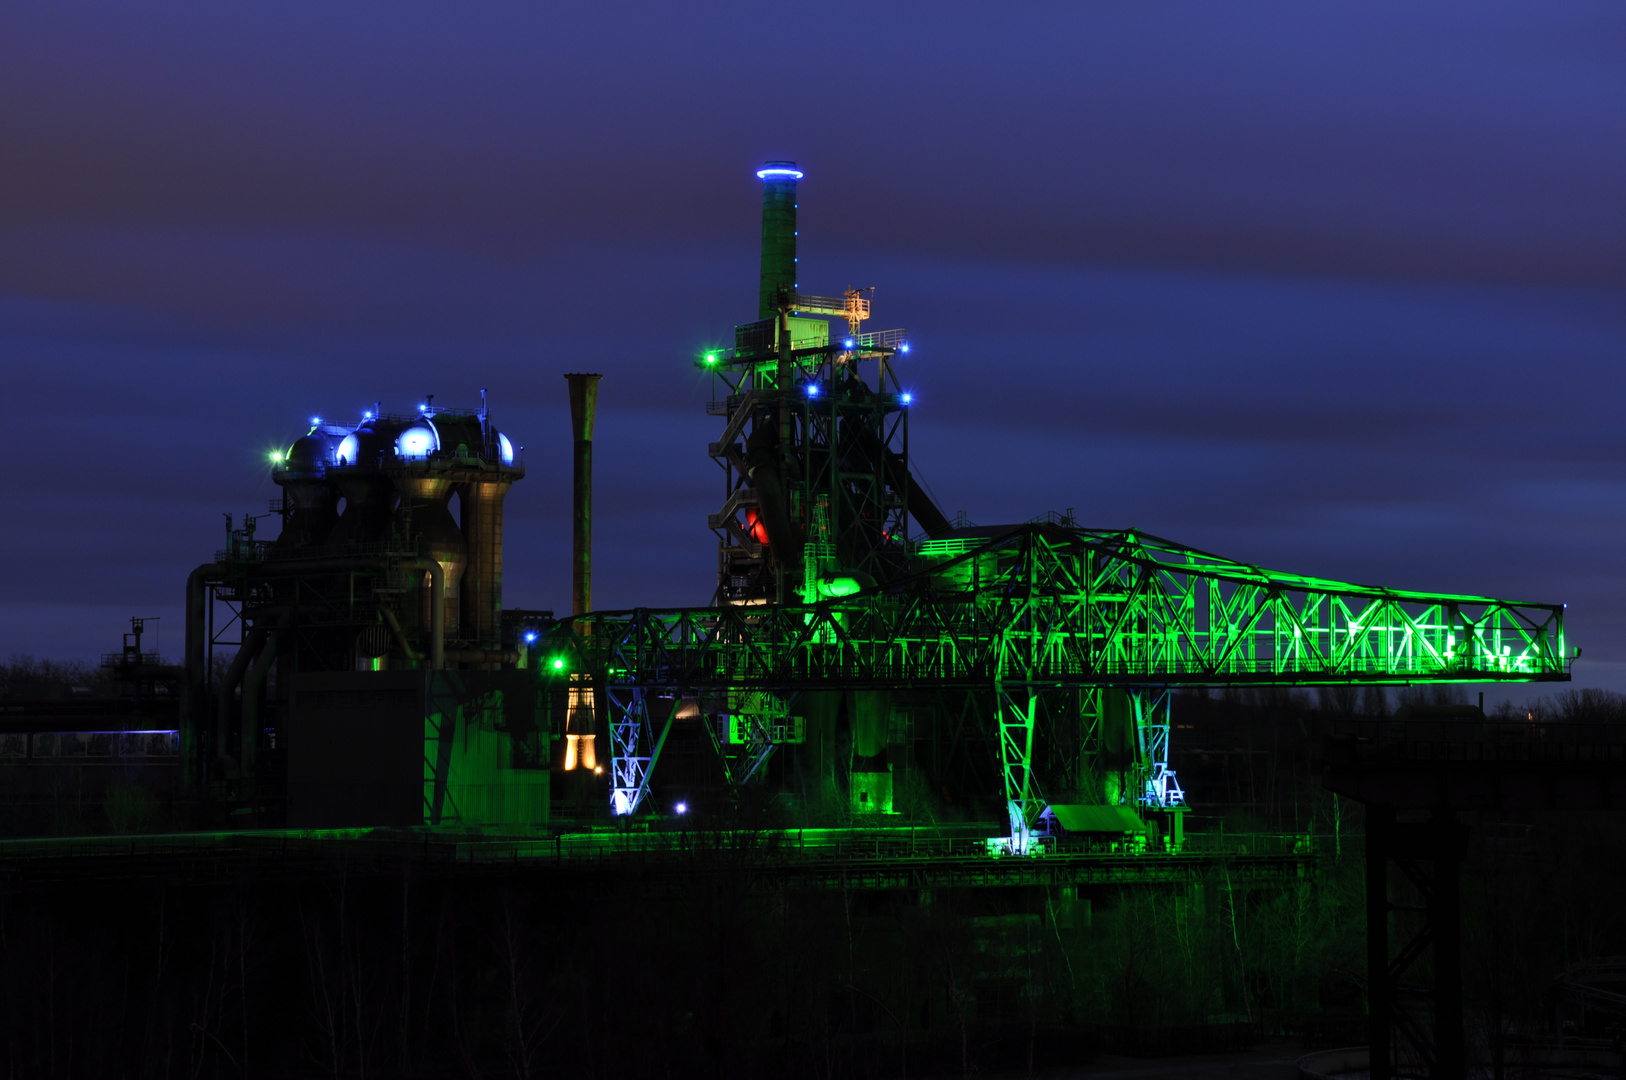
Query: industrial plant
x=878 y=700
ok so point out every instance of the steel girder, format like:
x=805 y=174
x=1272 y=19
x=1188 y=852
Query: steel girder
x=1056 y=607
x=1041 y=607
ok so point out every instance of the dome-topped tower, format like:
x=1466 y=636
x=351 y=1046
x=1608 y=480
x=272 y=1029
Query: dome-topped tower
x=382 y=488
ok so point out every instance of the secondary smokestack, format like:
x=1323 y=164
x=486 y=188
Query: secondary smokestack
x=580 y=741
x=583 y=406
x=778 y=233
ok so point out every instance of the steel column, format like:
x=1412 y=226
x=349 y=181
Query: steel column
x=1016 y=711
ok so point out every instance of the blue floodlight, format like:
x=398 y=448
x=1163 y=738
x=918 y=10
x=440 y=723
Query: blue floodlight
x=812 y=389
x=849 y=343
x=368 y=415
x=904 y=347
x=906 y=398
x=423 y=408
x=530 y=637
x=778 y=172
x=682 y=808
x=315 y=420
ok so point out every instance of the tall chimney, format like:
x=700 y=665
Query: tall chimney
x=778 y=233
x=580 y=736
x=583 y=406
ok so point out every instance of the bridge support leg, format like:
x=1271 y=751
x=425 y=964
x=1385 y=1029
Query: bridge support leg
x=1158 y=787
x=756 y=724
x=629 y=733
x=1379 y=999
x=1445 y=923
x=1023 y=802
x=1429 y=854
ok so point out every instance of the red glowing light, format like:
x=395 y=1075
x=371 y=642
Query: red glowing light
x=756 y=526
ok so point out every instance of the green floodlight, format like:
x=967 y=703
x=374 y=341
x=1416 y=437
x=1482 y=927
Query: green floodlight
x=711 y=358
x=558 y=663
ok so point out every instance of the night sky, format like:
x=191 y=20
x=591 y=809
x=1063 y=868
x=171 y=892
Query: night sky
x=1337 y=291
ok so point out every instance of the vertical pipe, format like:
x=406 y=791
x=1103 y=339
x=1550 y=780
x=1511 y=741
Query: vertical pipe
x=227 y=713
x=481 y=594
x=437 y=608
x=253 y=709
x=778 y=234
x=490 y=505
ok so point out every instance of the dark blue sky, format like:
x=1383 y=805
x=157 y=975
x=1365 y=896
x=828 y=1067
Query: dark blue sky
x=1339 y=292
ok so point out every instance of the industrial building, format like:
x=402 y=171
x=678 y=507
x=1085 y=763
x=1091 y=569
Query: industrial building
x=866 y=655
x=864 y=661
x=876 y=699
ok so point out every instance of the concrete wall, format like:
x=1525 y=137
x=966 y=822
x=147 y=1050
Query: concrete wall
x=406 y=748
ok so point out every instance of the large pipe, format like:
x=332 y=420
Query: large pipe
x=778 y=234
x=583 y=409
x=400 y=638
x=482 y=581
x=437 y=609
x=224 y=714
x=254 y=699
x=423 y=509
x=765 y=468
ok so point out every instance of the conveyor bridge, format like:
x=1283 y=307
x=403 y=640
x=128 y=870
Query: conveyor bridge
x=1040 y=607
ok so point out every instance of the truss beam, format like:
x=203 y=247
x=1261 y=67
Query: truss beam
x=1045 y=607
x=1074 y=608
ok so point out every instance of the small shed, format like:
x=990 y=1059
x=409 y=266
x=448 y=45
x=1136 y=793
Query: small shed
x=1083 y=818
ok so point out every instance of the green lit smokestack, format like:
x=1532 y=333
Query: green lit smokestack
x=778 y=233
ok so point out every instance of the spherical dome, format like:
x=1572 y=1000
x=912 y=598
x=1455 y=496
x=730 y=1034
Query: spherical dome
x=417 y=442
x=308 y=454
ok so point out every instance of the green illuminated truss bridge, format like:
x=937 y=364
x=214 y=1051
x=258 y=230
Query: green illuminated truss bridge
x=1040 y=608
